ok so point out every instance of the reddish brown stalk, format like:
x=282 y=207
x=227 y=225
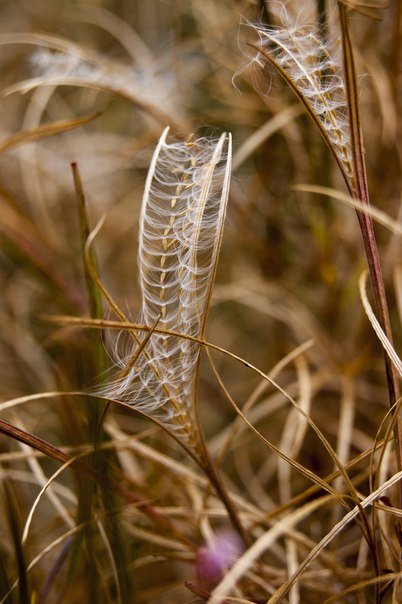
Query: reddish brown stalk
x=368 y=234
x=366 y=223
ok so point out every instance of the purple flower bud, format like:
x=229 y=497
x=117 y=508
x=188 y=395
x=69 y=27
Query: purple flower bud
x=214 y=559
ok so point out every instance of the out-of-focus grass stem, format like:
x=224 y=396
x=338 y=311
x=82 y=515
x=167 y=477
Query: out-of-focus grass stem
x=94 y=296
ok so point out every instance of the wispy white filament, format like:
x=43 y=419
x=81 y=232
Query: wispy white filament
x=181 y=225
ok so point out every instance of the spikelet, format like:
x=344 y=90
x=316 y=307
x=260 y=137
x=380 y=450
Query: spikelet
x=314 y=70
x=181 y=226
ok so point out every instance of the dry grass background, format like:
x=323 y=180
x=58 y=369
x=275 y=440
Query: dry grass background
x=286 y=300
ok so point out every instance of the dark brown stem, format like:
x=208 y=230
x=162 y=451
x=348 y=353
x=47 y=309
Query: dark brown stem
x=216 y=481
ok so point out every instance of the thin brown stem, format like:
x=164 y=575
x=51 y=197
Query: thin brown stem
x=216 y=481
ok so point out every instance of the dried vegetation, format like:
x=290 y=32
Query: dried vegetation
x=198 y=409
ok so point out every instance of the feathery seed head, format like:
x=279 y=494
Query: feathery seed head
x=313 y=68
x=181 y=226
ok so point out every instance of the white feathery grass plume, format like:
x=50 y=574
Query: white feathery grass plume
x=181 y=226
x=313 y=68
x=125 y=79
x=59 y=62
